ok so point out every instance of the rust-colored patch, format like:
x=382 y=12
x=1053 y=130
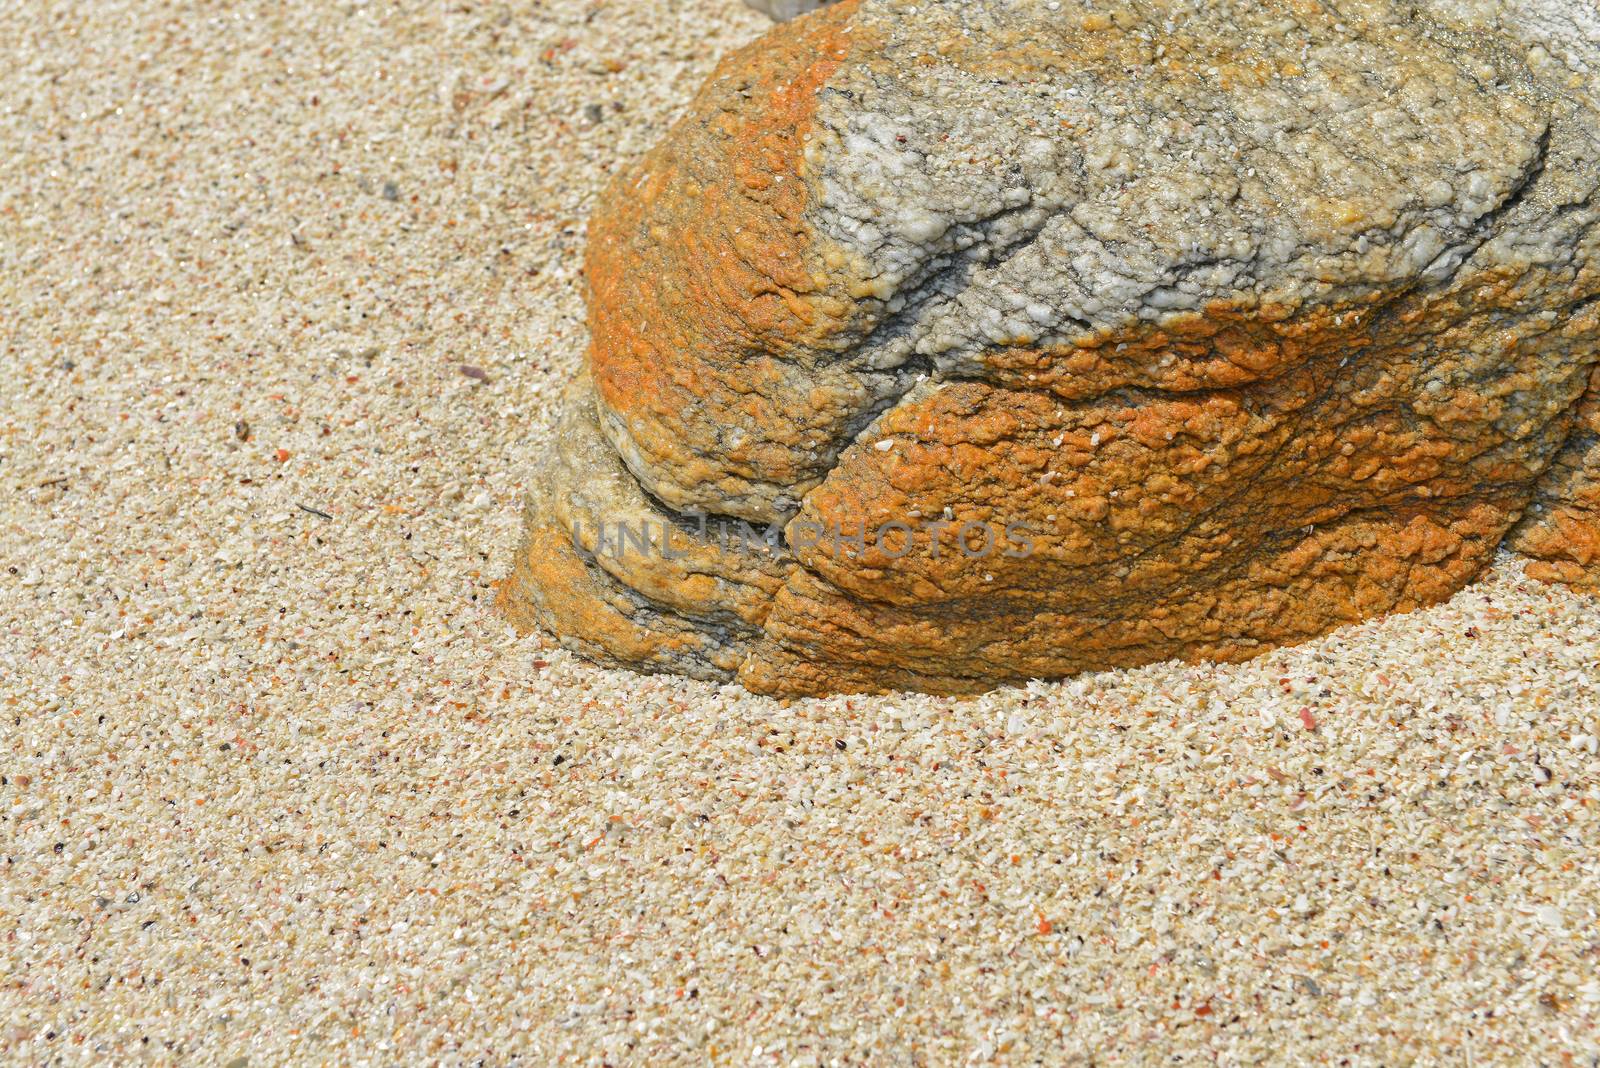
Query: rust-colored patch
x=702 y=267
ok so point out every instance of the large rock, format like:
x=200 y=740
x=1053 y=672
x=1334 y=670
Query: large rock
x=1219 y=324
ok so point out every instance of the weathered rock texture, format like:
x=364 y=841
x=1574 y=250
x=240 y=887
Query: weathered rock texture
x=1260 y=318
x=786 y=9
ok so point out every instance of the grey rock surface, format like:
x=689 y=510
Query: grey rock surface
x=783 y=10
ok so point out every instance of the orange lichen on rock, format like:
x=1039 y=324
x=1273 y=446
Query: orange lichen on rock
x=703 y=272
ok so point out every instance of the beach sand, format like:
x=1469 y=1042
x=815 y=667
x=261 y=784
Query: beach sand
x=286 y=298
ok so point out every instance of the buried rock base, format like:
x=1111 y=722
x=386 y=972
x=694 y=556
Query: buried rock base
x=948 y=607
x=992 y=344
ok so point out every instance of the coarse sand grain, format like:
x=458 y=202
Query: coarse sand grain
x=286 y=295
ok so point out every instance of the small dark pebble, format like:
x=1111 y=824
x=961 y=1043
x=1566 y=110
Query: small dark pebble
x=838 y=743
x=476 y=373
x=391 y=191
x=595 y=113
x=559 y=760
x=241 y=430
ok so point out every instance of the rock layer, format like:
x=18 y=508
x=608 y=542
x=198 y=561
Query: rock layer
x=1247 y=319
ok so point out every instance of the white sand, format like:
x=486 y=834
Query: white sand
x=279 y=786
